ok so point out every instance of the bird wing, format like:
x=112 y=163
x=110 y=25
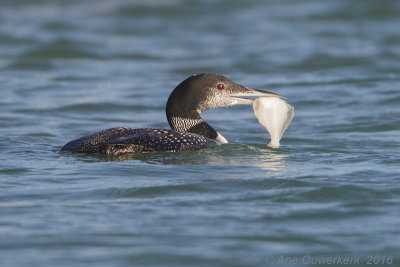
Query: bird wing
x=152 y=140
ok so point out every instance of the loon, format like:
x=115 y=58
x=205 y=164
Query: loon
x=189 y=131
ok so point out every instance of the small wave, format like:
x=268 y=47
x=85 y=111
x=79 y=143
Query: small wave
x=363 y=128
x=325 y=61
x=102 y=107
x=12 y=171
x=390 y=101
x=30 y=64
x=60 y=49
x=163 y=10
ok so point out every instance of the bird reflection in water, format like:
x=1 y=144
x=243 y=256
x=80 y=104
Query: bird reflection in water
x=236 y=155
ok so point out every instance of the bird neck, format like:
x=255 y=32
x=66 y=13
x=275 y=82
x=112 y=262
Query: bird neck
x=194 y=125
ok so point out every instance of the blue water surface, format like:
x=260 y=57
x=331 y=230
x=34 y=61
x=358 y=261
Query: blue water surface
x=70 y=68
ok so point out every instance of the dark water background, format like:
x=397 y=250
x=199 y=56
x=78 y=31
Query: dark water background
x=69 y=68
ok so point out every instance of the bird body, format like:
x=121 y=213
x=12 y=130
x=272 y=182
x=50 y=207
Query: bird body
x=127 y=140
x=188 y=130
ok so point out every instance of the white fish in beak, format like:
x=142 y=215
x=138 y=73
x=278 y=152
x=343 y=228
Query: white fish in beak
x=275 y=115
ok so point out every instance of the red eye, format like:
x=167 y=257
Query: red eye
x=220 y=86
